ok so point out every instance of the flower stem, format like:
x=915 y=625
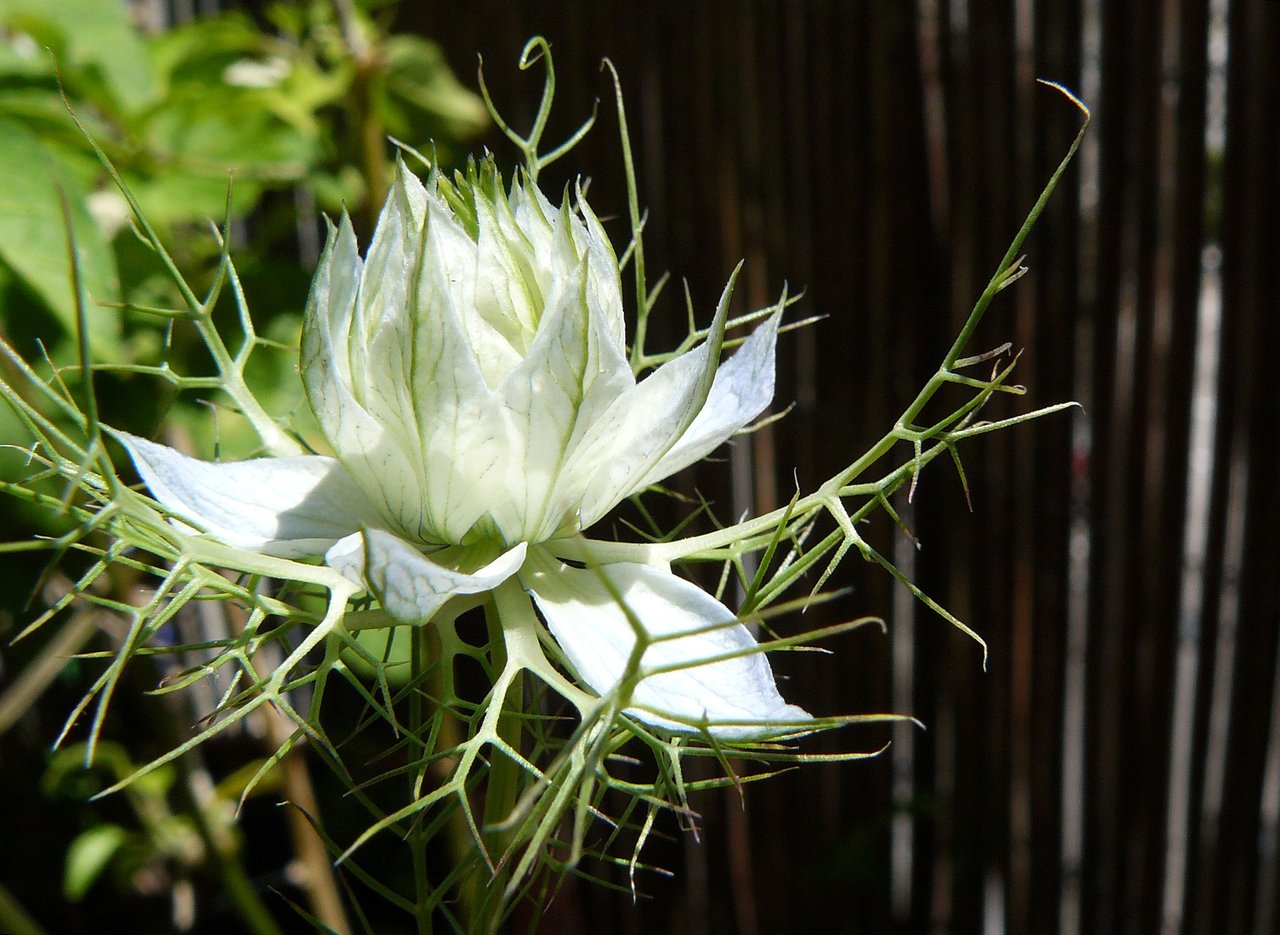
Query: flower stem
x=503 y=784
x=418 y=834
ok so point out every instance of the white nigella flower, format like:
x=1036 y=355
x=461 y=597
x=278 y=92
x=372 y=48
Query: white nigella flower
x=471 y=377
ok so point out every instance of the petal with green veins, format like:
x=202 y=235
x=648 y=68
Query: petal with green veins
x=743 y=389
x=412 y=586
x=392 y=375
x=604 y=279
x=641 y=425
x=288 y=507
x=720 y=679
x=508 y=294
x=570 y=376
x=460 y=432
x=377 y=457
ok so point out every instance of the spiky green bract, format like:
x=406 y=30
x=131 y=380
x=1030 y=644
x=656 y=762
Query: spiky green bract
x=585 y=647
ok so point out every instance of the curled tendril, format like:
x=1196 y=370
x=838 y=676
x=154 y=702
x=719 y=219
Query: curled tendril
x=536 y=50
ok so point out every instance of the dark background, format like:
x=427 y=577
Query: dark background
x=1116 y=768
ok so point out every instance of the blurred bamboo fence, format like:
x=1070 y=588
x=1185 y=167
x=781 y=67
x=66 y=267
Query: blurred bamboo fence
x=1117 y=767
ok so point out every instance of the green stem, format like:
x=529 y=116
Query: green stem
x=240 y=888
x=366 y=58
x=835 y=486
x=538 y=49
x=419 y=835
x=373 y=158
x=502 y=786
x=637 y=226
x=1001 y=277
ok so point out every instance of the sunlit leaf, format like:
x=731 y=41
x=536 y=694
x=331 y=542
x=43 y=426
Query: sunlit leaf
x=88 y=856
x=33 y=238
x=95 y=34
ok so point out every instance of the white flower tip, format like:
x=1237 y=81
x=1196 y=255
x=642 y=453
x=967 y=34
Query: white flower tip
x=291 y=507
x=412 y=586
x=707 y=674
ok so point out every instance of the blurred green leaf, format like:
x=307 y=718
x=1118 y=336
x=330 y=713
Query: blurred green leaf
x=33 y=238
x=200 y=51
x=88 y=856
x=214 y=131
x=21 y=59
x=234 y=786
x=424 y=99
x=66 y=775
x=178 y=197
x=94 y=34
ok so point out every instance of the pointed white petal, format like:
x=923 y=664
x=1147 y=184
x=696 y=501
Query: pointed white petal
x=290 y=507
x=411 y=586
x=743 y=388
x=604 y=281
x=377 y=457
x=392 y=375
x=508 y=298
x=629 y=438
x=461 y=438
x=571 y=375
x=597 y=638
x=415 y=369
x=536 y=217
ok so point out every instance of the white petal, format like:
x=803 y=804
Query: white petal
x=572 y=373
x=460 y=432
x=628 y=440
x=536 y=218
x=597 y=638
x=604 y=280
x=508 y=297
x=392 y=375
x=742 y=389
x=411 y=586
x=377 y=457
x=414 y=368
x=290 y=507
